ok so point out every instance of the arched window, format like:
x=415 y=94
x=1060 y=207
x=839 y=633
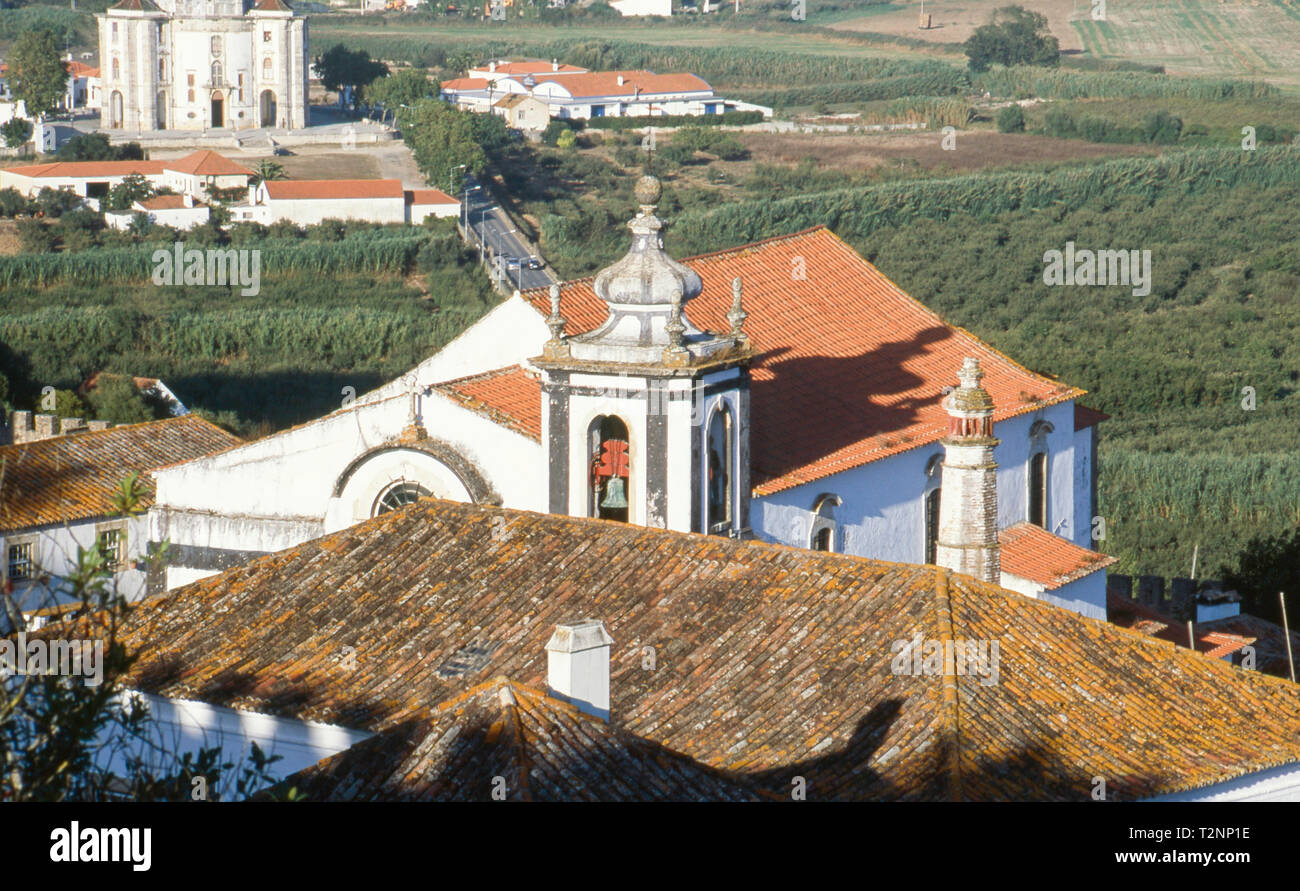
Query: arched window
x=1038 y=489
x=266 y=68
x=608 y=490
x=933 y=488
x=216 y=74
x=117 y=70
x=1038 y=473
x=399 y=496
x=721 y=473
x=825 y=528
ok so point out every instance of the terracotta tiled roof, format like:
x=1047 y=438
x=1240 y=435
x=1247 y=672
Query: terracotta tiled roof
x=544 y=749
x=428 y=196
x=1033 y=553
x=272 y=6
x=605 y=83
x=74 y=477
x=1269 y=640
x=755 y=659
x=464 y=83
x=860 y=363
x=1215 y=642
x=334 y=188
x=531 y=67
x=1085 y=417
x=80 y=69
x=136 y=6
x=510 y=101
x=509 y=396
x=207 y=163
x=89 y=168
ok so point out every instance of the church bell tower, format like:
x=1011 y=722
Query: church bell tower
x=646 y=418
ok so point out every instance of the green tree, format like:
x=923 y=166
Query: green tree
x=442 y=138
x=131 y=189
x=1266 y=565
x=12 y=202
x=36 y=74
x=267 y=169
x=341 y=67
x=1011 y=120
x=1013 y=36
x=406 y=86
x=16 y=132
x=116 y=399
x=96 y=147
x=1162 y=128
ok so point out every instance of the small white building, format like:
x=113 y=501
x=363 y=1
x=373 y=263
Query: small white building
x=57 y=496
x=424 y=203
x=523 y=112
x=310 y=201
x=178 y=211
x=194 y=175
x=643 y=7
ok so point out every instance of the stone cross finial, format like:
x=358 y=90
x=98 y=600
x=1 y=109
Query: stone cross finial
x=557 y=347
x=412 y=390
x=737 y=315
x=970 y=374
x=555 y=321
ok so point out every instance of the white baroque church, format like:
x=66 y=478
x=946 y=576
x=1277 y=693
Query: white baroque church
x=202 y=65
x=783 y=390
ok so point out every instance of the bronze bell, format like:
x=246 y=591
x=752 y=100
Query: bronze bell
x=615 y=496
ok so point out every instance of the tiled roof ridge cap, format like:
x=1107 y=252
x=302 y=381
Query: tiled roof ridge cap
x=480 y=375
x=951 y=704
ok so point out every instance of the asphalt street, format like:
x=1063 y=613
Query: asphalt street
x=502 y=242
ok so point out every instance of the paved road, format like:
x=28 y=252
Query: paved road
x=503 y=242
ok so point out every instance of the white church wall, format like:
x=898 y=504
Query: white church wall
x=1275 y=784
x=182 y=725
x=883 y=511
x=1086 y=596
x=509 y=334
x=279 y=492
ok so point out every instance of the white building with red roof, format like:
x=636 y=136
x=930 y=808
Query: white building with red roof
x=591 y=94
x=816 y=419
x=308 y=202
x=194 y=175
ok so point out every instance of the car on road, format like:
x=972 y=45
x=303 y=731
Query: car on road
x=512 y=262
x=536 y=263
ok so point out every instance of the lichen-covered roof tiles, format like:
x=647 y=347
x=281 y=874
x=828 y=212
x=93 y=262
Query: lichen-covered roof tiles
x=523 y=741
x=68 y=478
x=762 y=661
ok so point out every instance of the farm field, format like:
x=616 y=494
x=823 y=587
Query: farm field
x=1236 y=38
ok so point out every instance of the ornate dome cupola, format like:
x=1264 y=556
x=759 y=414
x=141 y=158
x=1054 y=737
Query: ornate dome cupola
x=647 y=292
x=645 y=419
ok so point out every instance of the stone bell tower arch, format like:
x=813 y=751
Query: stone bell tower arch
x=646 y=418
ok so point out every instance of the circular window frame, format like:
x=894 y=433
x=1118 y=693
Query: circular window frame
x=377 y=508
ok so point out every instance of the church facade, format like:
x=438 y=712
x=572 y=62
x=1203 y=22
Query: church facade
x=202 y=64
x=784 y=390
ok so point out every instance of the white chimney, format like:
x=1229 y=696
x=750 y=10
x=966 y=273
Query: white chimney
x=577 y=665
x=555 y=64
x=620 y=80
x=492 y=66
